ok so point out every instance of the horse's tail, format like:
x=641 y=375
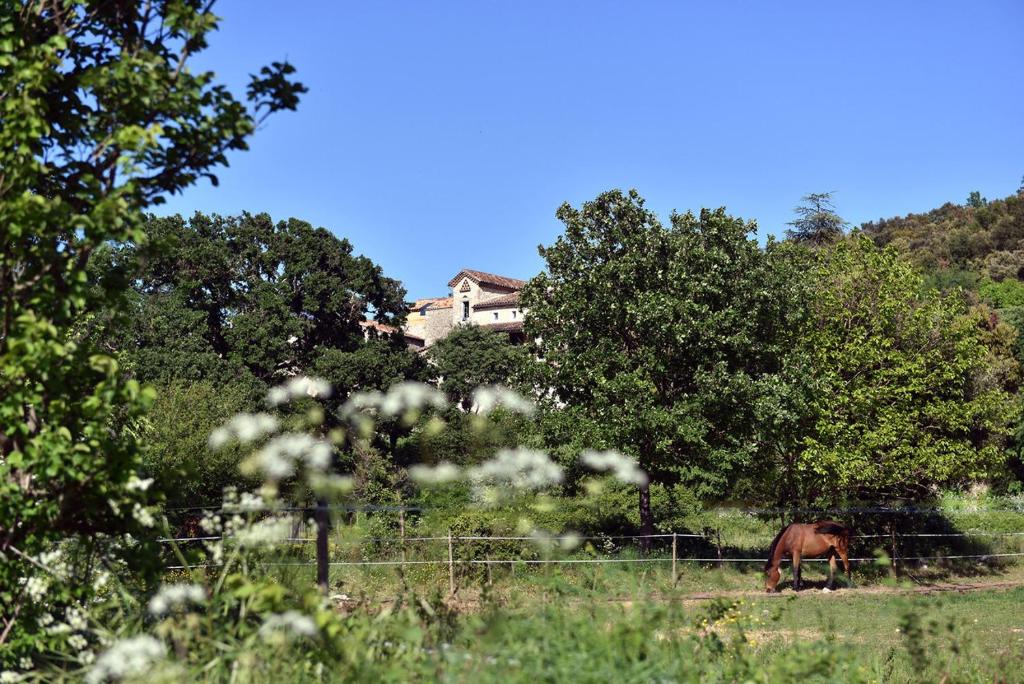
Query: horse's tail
x=834 y=528
x=771 y=549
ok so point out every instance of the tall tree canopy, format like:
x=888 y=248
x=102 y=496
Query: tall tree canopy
x=471 y=356
x=101 y=118
x=668 y=343
x=215 y=295
x=817 y=222
x=909 y=396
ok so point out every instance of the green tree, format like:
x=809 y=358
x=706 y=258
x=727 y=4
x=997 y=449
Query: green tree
x=471 y=356
x=175 y=434
x=975 y=200
x=669 y=344
x=905 y=399
x=245 y=293
x=101 y=118
x=817 y=222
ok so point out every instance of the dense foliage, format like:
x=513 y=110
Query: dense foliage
x=718 y=367
x=908 y=390
x=983 y=237
x=668 y=343
x=213 y=297
x=101 y=118
x=471 y=356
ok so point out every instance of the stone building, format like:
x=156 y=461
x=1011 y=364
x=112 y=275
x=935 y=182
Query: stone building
x=428 y=320
x=478 y=298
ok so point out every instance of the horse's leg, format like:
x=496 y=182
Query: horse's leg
x=846 y=566
x=796 y=569
x=831 y=570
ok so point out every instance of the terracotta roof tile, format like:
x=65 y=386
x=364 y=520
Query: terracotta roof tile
x=432 y=303
x=379 y=327
x=482 y=278
x=508 y=326
x=499 y=302
x=442 y=303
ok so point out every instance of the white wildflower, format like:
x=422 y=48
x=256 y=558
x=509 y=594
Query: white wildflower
x=442 y=473
x=404 y=398
x=362 y=401
x=211 y=523
x=624 y=468
x=36 y=588
x=143 y=516
x=247 y=502
x=278 y=457
x=336 y=485
x=216 y=551
x=50 y=558
x=289 y=623
x=45 y=619
x=570 y=541
x=265 y=533
x=76 y=619
x=519 y=468
x=135 y=484
x=173 y=596
x=245 y=428
x=9 y=676
x=86 y=657
x=128 y=658
x=77 y=642
x=25 y=663
x=297 y=387
x=488 y=398
x=114 y=506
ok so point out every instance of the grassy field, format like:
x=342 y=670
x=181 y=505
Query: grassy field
x=627 y=618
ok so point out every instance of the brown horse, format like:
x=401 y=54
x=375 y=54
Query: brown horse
x=808 y=540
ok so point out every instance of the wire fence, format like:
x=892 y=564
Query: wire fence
x=897 y=536
x=675 y=559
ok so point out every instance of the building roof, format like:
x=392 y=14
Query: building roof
x=431 y=303
x=508 y=326
x=504 y=301
x=442 y=303
x=379 y=327
x=385 y=329
x=481 y=278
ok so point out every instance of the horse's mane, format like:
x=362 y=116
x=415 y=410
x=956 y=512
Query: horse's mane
x=832 y=527
x=771 y=549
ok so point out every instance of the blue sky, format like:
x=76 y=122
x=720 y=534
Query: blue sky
x=442 y=135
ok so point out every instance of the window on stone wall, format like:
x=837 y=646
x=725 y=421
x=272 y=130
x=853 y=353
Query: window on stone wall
x=495 y=315
x=465 y=311
x=513 y=314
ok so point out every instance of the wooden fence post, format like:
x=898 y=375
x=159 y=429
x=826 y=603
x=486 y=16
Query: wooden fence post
x=451 y=566
x=892 y=537
x=322 y=523
x=401 y=533
x=675 y=575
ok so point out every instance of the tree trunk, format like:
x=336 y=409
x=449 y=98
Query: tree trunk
x=646 y=517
